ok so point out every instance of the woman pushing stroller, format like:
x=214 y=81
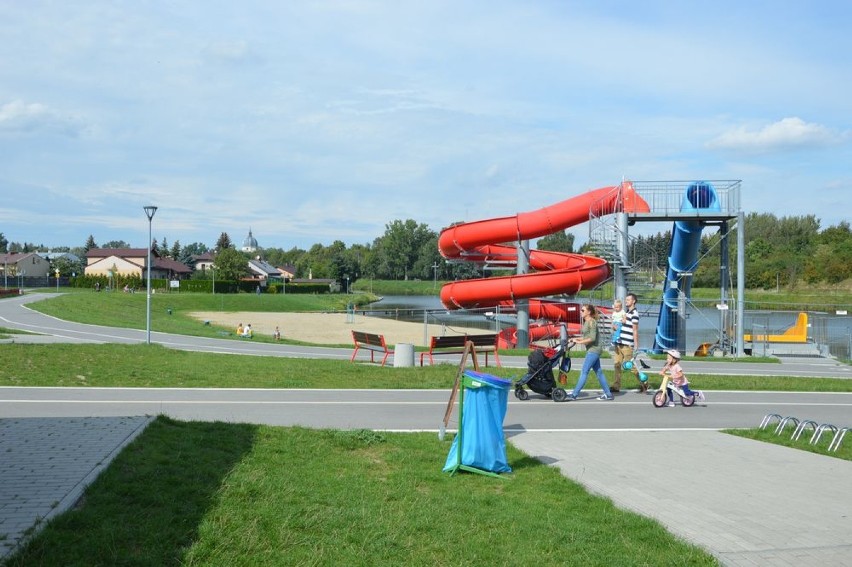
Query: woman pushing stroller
x=591 y=339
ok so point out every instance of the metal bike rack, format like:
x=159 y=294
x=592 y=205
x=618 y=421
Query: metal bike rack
x=784 y=422
x=820 y=430
x=838 y=437
x=768 y=418
x=798 y=432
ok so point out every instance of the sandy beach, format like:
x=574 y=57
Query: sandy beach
x=331 y=328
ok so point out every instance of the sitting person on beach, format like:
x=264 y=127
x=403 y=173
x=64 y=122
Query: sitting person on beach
x=276 y=335
x=247 y=332
x=239 y=329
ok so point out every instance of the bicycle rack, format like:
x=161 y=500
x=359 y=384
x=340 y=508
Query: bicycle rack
x=838 y=437
x=784 y=422
x=768 y=418
x=820 y=430
x=798 y=432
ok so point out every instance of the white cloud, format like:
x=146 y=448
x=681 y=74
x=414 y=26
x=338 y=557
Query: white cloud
x=788 y=133
x=21 y=117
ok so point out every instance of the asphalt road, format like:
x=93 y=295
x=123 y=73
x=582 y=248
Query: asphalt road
x=417 y=410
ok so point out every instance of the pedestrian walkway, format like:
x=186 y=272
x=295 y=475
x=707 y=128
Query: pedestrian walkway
x=746 y=502
x=46 y=464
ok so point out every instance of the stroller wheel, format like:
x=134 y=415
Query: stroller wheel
x=522 y=394
x=559 y=395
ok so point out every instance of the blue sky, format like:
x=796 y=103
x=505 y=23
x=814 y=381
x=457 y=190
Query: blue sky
x=311 y=122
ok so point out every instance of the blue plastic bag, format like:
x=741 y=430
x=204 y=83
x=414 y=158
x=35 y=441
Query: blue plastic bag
x=481 y=430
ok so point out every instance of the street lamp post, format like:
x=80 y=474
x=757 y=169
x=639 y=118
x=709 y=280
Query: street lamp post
x=213 y=269
x=57 y=279
x=149 y=212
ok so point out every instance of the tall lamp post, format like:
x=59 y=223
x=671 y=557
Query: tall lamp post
x=149 y=212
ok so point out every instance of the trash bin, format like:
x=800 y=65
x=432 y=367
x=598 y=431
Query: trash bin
x=480 y=446
x=403 y=355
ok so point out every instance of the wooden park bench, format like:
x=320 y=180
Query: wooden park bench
x=454 y=344
x=373 y=343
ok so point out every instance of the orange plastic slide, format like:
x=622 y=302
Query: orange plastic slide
x=798 y=333
x=555 y=273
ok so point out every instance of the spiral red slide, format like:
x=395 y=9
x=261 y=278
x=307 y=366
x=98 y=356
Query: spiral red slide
x=554 y=272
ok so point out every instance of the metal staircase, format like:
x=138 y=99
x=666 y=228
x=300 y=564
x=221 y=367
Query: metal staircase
x=640 y=267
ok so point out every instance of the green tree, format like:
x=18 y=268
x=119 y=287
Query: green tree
x=116 y=244
x=223 y=242
x=174 y=253
x=90 y=243
x=559 y=241
x=195 y=249
x=3 y=243
x=230 y=264
x=400 y=245
x=66 y=266
x=317 y=263
x=429 y=264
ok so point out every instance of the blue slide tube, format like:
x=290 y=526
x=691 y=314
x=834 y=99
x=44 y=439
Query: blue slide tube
x=683 y=257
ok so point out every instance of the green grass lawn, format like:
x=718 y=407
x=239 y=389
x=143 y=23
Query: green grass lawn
x=768 y=435
x=155 y=366
x=216 y=494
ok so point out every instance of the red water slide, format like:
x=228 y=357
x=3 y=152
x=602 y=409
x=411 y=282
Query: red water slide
x=555 y=273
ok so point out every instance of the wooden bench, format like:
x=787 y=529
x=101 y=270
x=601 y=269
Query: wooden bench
x=373 y=343
x=454 y=344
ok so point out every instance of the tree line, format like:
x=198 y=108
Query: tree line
x=781 y=251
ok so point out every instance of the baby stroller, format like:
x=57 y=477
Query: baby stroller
x=539 y=377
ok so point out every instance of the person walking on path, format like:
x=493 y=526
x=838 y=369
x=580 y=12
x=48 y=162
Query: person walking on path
x=627 y=342
x=591 y=339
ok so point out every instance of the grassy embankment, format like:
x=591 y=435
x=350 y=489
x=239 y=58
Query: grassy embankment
x=236 y=494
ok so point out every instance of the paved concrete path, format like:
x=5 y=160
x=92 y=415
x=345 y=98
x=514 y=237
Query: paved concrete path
x=748 y=503
x=46 y=463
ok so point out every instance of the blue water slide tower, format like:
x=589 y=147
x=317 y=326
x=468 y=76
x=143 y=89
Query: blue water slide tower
x=683 y=258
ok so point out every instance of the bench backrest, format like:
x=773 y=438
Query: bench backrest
x=451 y=341
x=483 y=340
x=368 y=338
